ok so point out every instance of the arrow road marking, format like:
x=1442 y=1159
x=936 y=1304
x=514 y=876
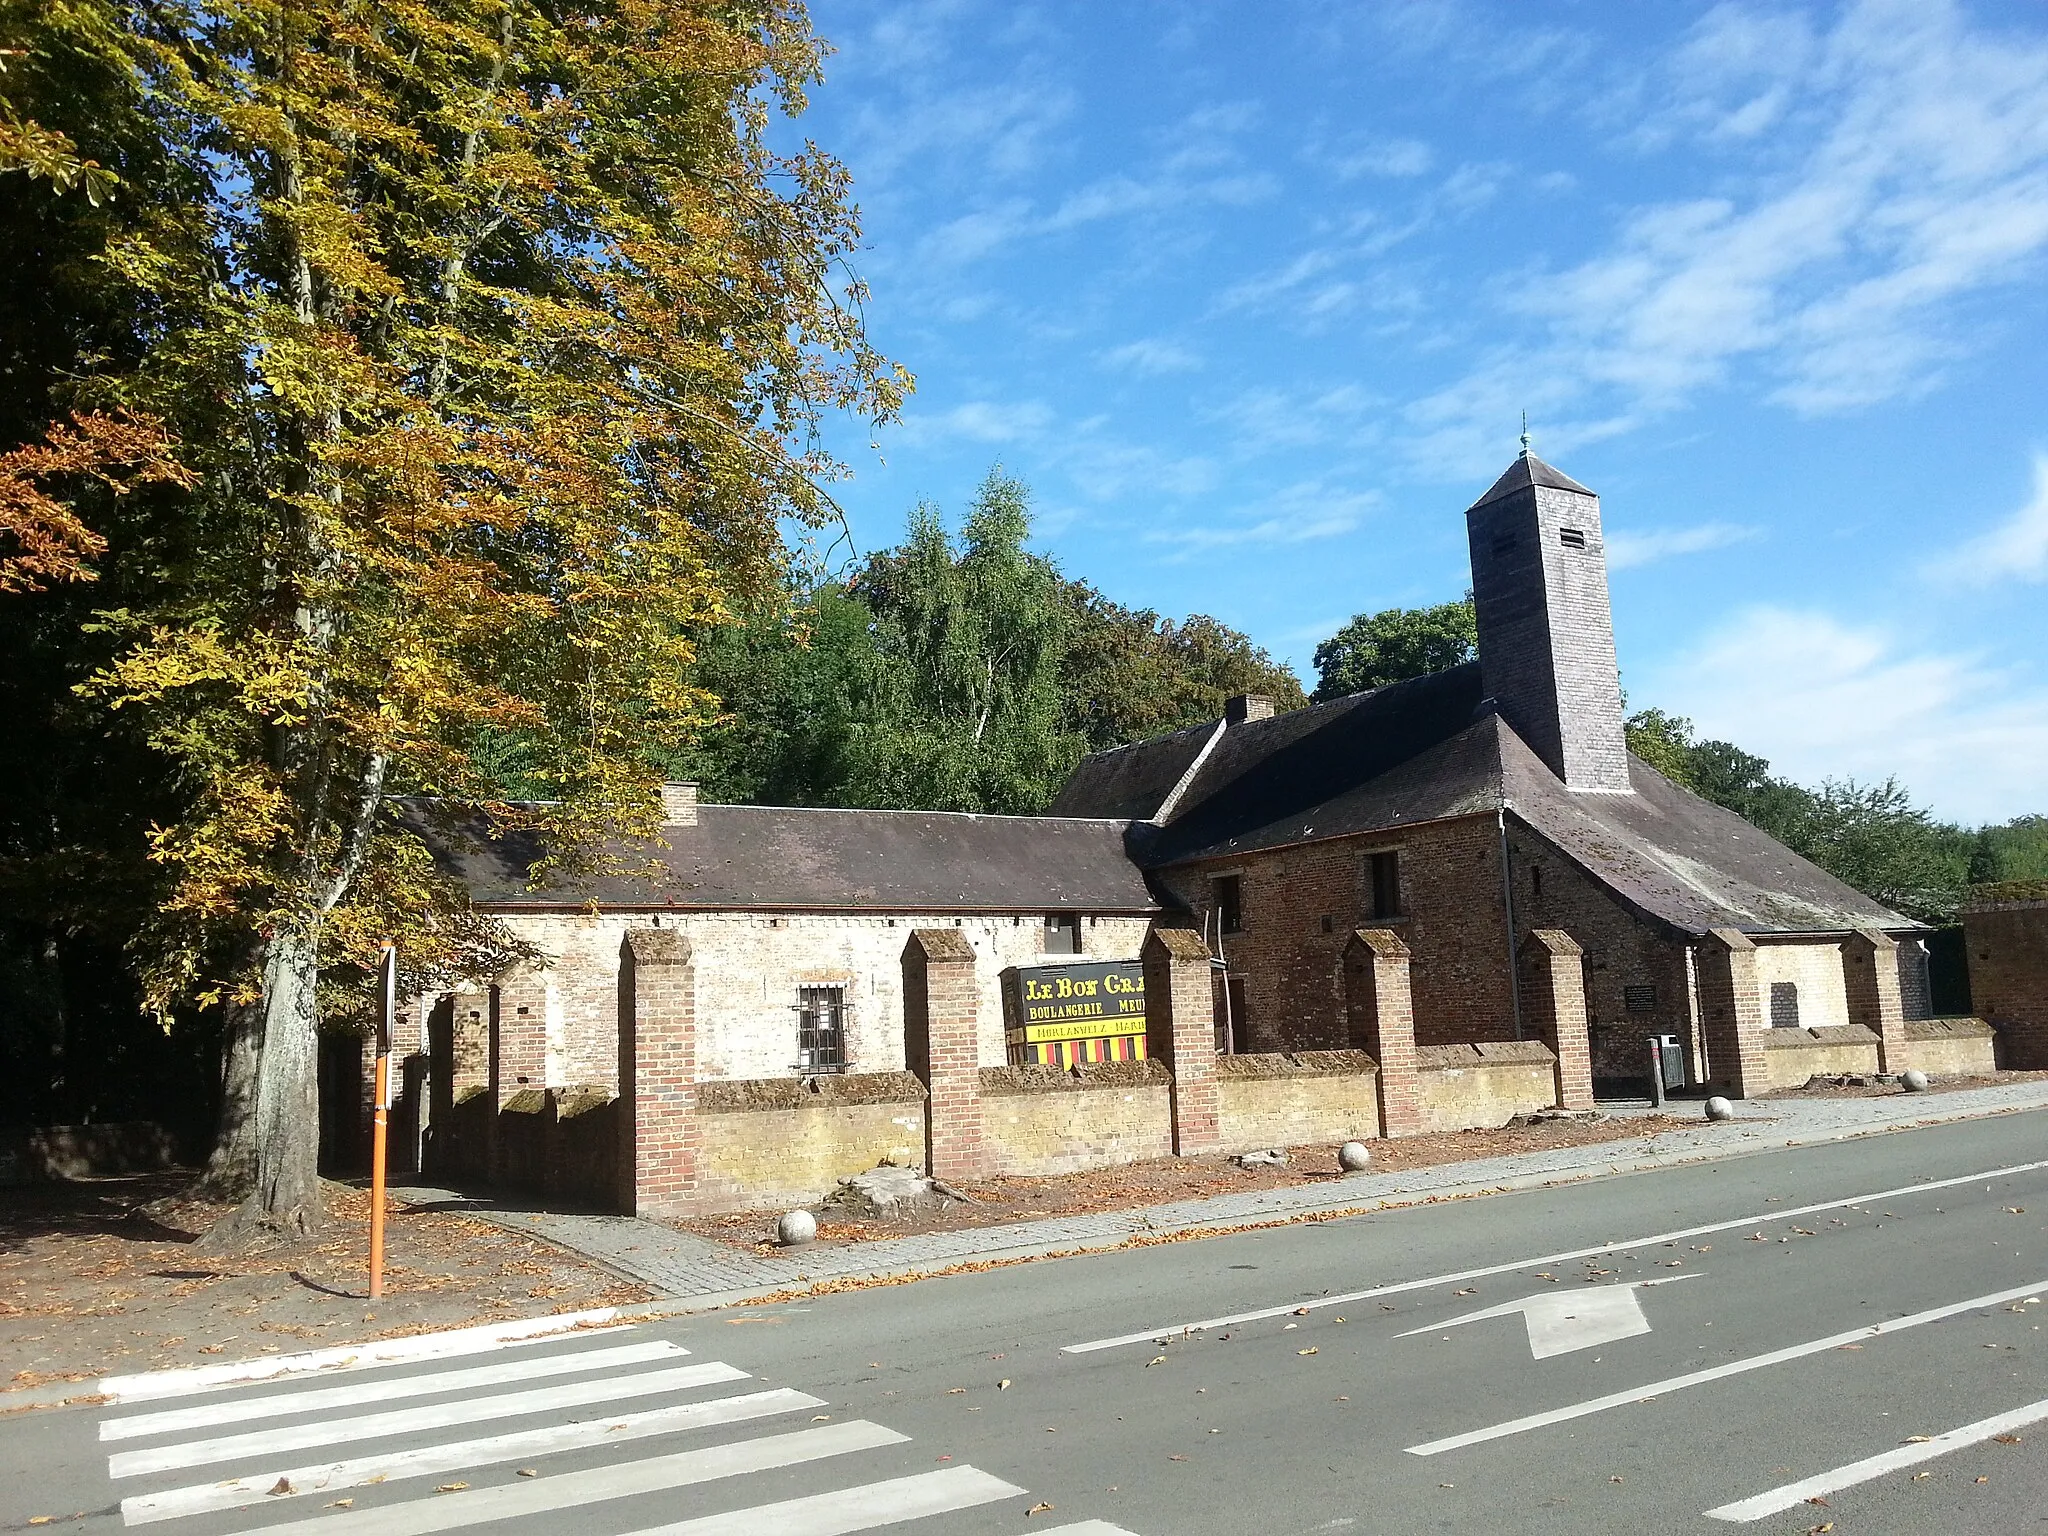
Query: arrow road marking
x=1562 y=1321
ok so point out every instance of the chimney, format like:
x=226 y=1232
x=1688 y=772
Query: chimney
x=679 y=804
x=1546 y=632
x=1247 y=706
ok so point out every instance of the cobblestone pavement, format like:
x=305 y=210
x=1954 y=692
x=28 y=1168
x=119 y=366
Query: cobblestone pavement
x=681 y=1267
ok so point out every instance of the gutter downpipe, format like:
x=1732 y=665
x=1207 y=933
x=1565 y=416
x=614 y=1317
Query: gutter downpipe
x=1507 y=898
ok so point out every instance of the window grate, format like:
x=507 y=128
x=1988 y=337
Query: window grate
x=821 y=1029
x=1572 y=538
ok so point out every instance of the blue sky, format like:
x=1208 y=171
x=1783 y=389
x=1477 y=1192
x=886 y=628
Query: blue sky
x=1253 y=297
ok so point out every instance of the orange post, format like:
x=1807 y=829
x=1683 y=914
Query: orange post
x=387 y=979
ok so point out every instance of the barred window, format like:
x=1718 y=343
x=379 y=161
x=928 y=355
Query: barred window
x=821 y=1029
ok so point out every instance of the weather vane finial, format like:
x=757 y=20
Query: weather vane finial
x=1525 y=434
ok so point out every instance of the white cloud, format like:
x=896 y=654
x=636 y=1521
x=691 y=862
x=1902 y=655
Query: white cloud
x=1302 y=513
x=1627 y=548
x=1820 y=699
x=1857 y=184
x=1384 y=157
x=2016 y=550
x=1150 y=357
x=975 y=421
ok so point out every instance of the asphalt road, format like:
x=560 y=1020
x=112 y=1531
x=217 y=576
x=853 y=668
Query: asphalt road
x=1627 y=1372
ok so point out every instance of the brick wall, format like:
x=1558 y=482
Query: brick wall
x=1314 y=1097
x=1042 y=1120
x=658 y=1126
x=2007 y=946
x=1302 y=904
x=941 y=1035
x=1636 y=981
x=785 y=1142
x=1950 y=1047
x=1814 y=968
x=749 y=966
x=1791 y=1056
x=1464 y=1087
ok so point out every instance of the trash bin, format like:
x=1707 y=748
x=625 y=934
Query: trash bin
x=1671 y=1056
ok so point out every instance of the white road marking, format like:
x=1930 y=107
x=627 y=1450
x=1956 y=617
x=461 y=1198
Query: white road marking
x=1559 y=1322
x=427 y=1460
x=1719 y=1372
x=194 y=1453
x=351 y=1357
x=1285 y=1309
x=852 y=1509
x=1792 y=1495
x=319 y=1399
x=511 y=1501
x=1086 y=1528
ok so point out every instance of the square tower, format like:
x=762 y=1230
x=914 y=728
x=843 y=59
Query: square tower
x=1546 y=631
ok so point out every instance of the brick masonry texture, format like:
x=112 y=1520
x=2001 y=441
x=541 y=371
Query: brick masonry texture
x=1290 y=1101
x=2007 y=945
x=783 y=1142
x=1554 y=1002
x=1380 y=1024
x=1731 y=1014
x=1791 y=1056
x=658 y=1128
x=941 y=1034
x=1041 y=1120
x=1301 y=905
x=1870 y=971
x=1180 y=1029
x=749 y=967
x=1950 y=1047
x=1484 y=1085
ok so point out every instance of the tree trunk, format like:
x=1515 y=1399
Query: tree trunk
x=285 y=1139
x=231 y=1170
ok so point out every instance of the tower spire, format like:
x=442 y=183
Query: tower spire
x=1525 y=434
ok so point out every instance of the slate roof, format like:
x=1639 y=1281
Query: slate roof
x=788 y=859
x=1430 y=749
x=1526 y=471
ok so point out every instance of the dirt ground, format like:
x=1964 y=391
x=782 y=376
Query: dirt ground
x=1819 y=1088
x=1159 y=1181
x=91 y=1284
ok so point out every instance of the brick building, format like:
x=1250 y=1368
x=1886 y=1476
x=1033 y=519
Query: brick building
x=1470 y=809
x=1432 y=905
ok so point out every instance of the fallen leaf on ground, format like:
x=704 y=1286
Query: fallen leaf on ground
x=1176 y=1458
x=2007 y=1439
x=1916 y=1439
x=1983 y=1479
x=451 y=1488
x=1003 y=1385
x=1038 y=1509
x=954 y=1391
x=283 y=1485
x=528 y=1472
x=1301 y=1311
x=1155 y=1360
x=1309 y=1351
x=340 y=1504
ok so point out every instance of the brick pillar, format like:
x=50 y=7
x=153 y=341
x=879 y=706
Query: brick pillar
x=1870 y=975
x=1732 y=1012
x=1180 y=1030
x=942 y=1045
x=518 y=1051
x=1379 y=1011
x=1554 y=1000
x=657 y=1105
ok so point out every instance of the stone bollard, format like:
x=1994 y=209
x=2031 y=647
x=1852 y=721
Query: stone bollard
x=1354 y=1157
x=1719 y=1108
x=1914 y=1081
x=795 y=1228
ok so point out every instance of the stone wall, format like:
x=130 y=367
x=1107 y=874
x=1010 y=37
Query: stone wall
x=1302 y=904
x=1484 y=1085
x=1274 y=1100
x=1791 y=1056
x=1045 y=1120
x=749 y=966
x=2006 y=940
x=1951 y=1047
x=788 y=1141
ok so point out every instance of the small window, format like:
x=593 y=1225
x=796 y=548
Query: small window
x=821 y=1029
x=1226 y=894
x=1062 y=933
x=1329 y=923
x=1784 y=1005
x=1572 y=538
x=1639 y=999
x=1383 y=872
x=1504 y=544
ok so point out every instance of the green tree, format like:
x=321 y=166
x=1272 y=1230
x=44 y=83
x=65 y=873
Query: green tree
x=484 y=331
x=1664 y=742
x=1395 y=644
x=962 y=705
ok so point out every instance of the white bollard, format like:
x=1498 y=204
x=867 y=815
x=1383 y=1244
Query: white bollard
x=795 y=1228
x=1354 y=1157
x=1719 y=1108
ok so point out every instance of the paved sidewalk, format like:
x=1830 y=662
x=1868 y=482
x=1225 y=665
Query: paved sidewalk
x=690 y=1273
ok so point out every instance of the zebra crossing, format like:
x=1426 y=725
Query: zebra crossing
x=541 y=1427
